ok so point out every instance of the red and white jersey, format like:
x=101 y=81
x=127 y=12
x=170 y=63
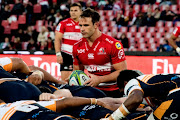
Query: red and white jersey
x=71 y=34
x=99 y=58
x=176 y=32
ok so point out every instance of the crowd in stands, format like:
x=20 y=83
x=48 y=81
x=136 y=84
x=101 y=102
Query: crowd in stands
x=141 y=25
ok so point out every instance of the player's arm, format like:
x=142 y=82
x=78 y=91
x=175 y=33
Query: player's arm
x=172 y=40
x=47 y=76
x=19 y=65
x=114 y=103
x=96 y=80
x=75 y=102
x=113 y=76
x=57 y=45
x=130 y=105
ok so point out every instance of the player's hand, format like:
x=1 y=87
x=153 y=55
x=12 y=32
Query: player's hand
x=93 y=81
x=46 y=97
x=36 y=77
x=100 y=103
x=178 y=51
x=60 y=59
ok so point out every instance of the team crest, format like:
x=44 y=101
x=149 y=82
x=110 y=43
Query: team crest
x=101 y=51
x=118 y=45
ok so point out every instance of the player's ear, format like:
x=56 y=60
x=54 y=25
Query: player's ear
x=96 y=24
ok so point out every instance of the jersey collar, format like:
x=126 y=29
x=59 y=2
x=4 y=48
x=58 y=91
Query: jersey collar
x=95 y=44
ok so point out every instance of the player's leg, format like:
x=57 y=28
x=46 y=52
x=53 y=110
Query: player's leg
x=67 y=66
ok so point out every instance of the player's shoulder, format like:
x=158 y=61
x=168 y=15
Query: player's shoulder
x=131 y=85
x=64 y=21
x=112 y=41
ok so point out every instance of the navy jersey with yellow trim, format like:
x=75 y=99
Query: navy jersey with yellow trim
x=157 y=86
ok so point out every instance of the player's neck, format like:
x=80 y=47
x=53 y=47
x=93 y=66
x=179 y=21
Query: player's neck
x=75 y=19
x=96 y=35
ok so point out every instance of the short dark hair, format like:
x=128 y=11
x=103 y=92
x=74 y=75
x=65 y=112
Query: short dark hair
x=127 y=75
x=76 y=4
x=91 y=13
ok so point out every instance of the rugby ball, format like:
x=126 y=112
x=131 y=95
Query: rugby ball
x=77 y=77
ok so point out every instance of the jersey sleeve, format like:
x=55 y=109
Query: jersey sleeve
x=131 y=86
x=61 y=27
x=176 y=32
x=117 y=53
x=75 y=56
x=48 y=104
x=6 y=63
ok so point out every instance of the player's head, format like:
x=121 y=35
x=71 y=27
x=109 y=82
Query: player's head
x=75 y=11
x=88 y=22
x=127 y=75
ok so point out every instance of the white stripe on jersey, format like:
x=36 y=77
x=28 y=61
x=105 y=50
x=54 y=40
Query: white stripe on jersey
x=5 y=61
x=93 y=68
x=130 y=86
x=66 y=48
x=7 y=110
x=72 y=36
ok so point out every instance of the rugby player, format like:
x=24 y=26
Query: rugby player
x=67 y=33
x=47 y=110
x=160 y=91
x=48 y=84
x=102 y=55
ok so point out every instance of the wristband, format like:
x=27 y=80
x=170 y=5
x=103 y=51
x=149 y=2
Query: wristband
x=177 y=49
x=58 y=54
x=120 y=113
x=93 y=101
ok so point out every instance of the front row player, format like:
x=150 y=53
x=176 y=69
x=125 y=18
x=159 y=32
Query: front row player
x=162 y=88
x=49 y=110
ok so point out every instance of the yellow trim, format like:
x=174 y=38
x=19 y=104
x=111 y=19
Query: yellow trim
x=123 y=111
x=159 y=112
x=51 y=107
x=139 y=117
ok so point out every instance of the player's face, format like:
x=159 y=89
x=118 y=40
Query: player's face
x=86 y=26
x=75 y=12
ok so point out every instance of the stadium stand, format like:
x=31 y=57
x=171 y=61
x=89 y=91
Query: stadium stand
x=142 y=38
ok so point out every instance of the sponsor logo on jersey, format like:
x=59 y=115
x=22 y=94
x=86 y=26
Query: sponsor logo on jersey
x=109 y=40
x=101 y=51
x=69 y=24
x=81 y=50
x=77 y=27
x=98 y=68
x=120 y=53
x=118 y=45
x=91 y=56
